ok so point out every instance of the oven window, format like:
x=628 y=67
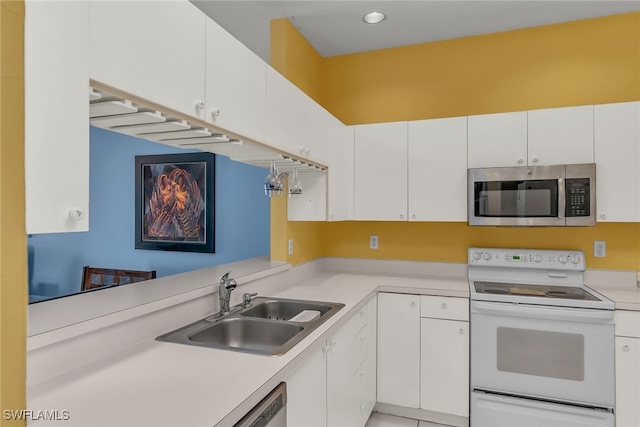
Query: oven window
x=541 y=353
x=518 y=199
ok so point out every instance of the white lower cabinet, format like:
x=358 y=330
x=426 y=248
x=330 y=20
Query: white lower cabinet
x=307 y=392
x=444 y=361
x=627 y=353
x=337 y=385
x=444 y=373
x=399 y=349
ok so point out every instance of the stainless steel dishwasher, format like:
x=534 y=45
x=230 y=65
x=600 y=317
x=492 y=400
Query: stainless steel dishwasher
x=271 y=411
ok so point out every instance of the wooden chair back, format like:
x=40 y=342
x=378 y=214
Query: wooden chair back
x=93 y=277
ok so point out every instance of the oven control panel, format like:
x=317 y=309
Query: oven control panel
x=527 y=258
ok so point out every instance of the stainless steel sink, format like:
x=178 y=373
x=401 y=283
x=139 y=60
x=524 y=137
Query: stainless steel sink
x=262 y=328
x=285 y=309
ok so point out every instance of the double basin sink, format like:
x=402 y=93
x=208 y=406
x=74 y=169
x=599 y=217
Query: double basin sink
x=265 y=327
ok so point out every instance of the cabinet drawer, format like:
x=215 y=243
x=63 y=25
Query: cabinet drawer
x=627 y=323
x=357 y=322
x=444 y=307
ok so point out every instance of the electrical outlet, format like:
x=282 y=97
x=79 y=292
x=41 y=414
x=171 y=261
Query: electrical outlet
x=373 y=242
x=599 y=248
x=290 y=246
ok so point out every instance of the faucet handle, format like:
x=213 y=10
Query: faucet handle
x=246 y=299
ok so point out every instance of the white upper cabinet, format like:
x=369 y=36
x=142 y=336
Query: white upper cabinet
x=338 y=172
x=617 y=156
x=291 y=121
x=311 y=205
x=561 y=135
x=151 y=49
x=381 y=172
x=236 y=84
x=497 y=140
x=350 y=152
x=57 y=116
x=438 y=169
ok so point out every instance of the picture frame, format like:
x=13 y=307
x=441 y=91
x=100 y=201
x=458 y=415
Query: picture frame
x=175 y=202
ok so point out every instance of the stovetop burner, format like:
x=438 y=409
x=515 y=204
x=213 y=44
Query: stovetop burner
x=566 y=295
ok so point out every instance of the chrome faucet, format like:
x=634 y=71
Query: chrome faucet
x=225 y=286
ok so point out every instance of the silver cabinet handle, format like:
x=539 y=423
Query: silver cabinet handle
x=200 y=104
x=535 y=160
x=461 y=331
x=401 y=216
x=603 y=215
x=444 y=305
x=625 y=347
x=520 y=160
x=215 y=112
x=413 y=303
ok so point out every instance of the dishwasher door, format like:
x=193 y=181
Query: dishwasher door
x=271 y=411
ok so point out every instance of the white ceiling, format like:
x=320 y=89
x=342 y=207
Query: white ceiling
x=336 y=27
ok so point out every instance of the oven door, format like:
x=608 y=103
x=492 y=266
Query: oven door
x=555 y=353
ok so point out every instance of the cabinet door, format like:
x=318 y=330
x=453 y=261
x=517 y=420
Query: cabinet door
x=351 y=176
x=438 y=170
x=444 y=374
x=344 y=392
x=151 y=49
x=236 y=84
x=497 y=140
x=337 y=179
x=627 y=381
x=311 y=205
x=617 y=156
x=561 y=135
x=399 y=350
x=370 y=396
x=56 y=116
x=381 y=172
x=289 y=116
x=307 y=393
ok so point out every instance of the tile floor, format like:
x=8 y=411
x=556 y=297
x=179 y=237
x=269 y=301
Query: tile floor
x=383 y=420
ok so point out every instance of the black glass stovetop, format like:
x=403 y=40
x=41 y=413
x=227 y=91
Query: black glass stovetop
x=529 y=290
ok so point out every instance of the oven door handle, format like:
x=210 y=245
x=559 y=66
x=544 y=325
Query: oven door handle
x=543 y=312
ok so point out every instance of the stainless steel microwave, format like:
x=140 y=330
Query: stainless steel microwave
x=555 y=195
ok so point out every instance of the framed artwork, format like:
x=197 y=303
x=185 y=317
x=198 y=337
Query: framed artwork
x=175 y=202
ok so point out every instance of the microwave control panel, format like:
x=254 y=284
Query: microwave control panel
x=577 y=197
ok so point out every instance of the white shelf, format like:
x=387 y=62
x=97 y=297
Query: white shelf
x=111 y=108
x=139 y=118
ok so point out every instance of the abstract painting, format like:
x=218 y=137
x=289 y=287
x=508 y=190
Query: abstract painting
x=175 y=202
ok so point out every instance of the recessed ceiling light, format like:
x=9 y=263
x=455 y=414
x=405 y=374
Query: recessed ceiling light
x=374 y=17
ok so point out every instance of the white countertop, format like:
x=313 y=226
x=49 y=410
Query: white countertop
x=165 y=384
x=624 y=297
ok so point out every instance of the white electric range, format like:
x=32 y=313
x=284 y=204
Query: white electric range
x=542 y=351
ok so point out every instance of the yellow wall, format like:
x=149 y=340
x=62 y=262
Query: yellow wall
x=295 y=58
x=13 y=248
x=592 y=61
x=583 y=62
x=448 y=241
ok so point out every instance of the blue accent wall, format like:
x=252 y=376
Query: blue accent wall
x=241 y=223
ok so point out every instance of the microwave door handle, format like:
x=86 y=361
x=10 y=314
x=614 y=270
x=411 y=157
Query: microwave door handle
x=561 y=198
